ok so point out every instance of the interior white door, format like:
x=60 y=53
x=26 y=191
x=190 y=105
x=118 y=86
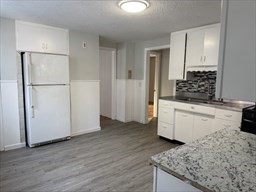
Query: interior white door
x=48 y=113
x=44 y=69
x=106 y=82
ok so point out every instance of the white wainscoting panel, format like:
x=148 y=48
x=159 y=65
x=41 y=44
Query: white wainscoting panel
x=129 y=100
x=120 y=99
x=10 y=115
x=85 y=106
x=138 y=101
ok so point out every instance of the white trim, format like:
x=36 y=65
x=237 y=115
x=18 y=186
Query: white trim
x=14 y=146
x=86 y=131
x=8 y=81
x=146 y=78
x=78 y=81
x=114 y=83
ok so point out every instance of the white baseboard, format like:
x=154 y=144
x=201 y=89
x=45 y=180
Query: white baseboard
x=85 y=131
x=14 y=146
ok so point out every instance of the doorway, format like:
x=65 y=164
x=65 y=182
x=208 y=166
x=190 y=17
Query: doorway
x=107 y=70
x=153 y=94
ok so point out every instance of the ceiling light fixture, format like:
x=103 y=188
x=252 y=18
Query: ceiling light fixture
x=133 y=6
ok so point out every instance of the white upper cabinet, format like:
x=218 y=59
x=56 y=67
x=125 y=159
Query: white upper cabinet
x=203 y=46
x=177 y=55
x=32 y=37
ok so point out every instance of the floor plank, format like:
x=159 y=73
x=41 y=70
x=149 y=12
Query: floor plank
x=114 y=159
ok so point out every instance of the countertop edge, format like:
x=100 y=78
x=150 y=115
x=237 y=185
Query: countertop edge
x=181 y=177
x=224 y=107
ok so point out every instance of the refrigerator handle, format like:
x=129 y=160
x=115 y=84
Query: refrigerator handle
x=28 y=62
x=31 y=101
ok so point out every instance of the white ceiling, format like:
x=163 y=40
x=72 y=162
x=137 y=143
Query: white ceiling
x=105 y=18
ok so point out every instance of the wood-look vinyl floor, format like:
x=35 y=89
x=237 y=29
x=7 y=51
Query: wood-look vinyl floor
x=113 y=159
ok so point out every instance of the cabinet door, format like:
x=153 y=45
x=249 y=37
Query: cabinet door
x=32 y=37
x=195 y=48
x=177 y=56
x=211 y=46
x=183 y=126
x=203 y=126
x=56 y=41
x=29 y=37
x=165 y=130
x=166 y=115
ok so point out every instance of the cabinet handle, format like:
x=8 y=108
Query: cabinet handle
x=165 y=111
x=228 y=115
x=201 y=59
x=43 y=46
x=184 y=115
x=204 y=119
x=46 y=45
x=192 y=107
x=204 y=58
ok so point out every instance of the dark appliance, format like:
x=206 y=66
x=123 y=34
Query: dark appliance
x=249 y=120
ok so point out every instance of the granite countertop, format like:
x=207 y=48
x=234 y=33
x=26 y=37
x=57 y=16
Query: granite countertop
x=222 y=161
x=235 y=106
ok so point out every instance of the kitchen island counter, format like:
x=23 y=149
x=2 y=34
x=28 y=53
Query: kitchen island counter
x=222 y=161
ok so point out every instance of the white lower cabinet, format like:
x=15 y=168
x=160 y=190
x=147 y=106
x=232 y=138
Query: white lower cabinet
x=183 y=126
x=203 y=125
x=165 y=119
x=187 y=122
x=165 y=182
x=165 y=130
x=227 y=119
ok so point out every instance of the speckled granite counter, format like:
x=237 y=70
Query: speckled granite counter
x=222 y=161
x=227 y=105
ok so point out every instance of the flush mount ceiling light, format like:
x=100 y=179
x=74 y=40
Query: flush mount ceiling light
x=133 y=6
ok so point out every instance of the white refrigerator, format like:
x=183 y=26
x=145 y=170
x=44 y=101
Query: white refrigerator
x=47 y=97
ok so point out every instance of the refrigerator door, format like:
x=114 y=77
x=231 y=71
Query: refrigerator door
x=46 y=69
x=47 y=113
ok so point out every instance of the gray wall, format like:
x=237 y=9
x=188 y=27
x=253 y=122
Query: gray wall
x=125 y=59
x=107 y=43
x=8 y=50
x=139 y=54
x=84 y=62
x=166 y=85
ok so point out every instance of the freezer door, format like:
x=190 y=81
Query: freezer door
x=44 y=69
x=47 y=112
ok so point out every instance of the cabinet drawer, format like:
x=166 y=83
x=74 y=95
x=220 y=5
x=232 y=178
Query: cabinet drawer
x=166 y=115
x=222 y=124
x=165 y=130
x=165 y=103
x=229 y=115
x=195 y=108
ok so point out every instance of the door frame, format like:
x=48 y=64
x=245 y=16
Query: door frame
x=113 y=91
x=145 y=90
x=157 y=56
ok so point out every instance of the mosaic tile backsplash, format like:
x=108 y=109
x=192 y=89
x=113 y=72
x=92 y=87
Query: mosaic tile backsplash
x=199 y=83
